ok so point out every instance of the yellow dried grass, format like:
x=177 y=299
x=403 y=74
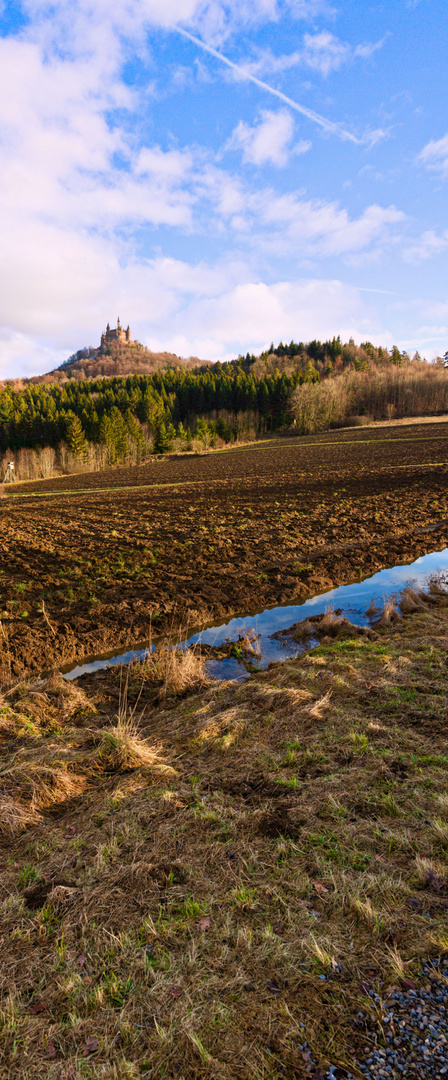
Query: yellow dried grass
x=14 y=816
x=389 y=614
x=175 y=671
x=123 y=748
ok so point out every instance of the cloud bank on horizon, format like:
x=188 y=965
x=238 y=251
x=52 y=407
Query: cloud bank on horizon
x=221 y=173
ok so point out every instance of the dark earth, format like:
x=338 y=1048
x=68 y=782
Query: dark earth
x=94 y=562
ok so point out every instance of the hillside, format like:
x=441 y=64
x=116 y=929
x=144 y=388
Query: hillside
x=119 y=356
x=326 y=357
x=118 y=360
x=121 y=402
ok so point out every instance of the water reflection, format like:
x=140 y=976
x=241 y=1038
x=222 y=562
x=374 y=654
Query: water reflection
x=353 y=601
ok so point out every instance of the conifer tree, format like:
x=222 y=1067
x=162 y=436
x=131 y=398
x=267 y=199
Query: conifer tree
x=76 y=440
x=163 y=436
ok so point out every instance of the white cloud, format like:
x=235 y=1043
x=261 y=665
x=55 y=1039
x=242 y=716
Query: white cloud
x=215 y=15
x=435 y=155
x=64 y=165
x=269 y=141
x=89 y=28
x=67 y=170
x=76 y=186
x=208 y=311
x=322 y=52
x=301 y=147
x=131 y=18
x=429 y=243
x=309 y=9
x=78 y=191
x=314 y=227
x=20 y=355
x=369 y=48
x=253 y=313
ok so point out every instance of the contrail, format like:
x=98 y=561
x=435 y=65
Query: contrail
x=327 y=125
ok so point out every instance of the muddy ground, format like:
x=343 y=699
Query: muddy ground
x=98 y=561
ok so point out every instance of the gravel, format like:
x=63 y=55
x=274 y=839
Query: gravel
x=410 y=1038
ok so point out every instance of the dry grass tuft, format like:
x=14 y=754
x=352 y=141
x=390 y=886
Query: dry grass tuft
x=389 y=615
x=173 y=671
x=14 y=817
x=413 y=600
x=365 y=911
x=442 y=801
x=305 y=629
x=53 y=759
x=321 y=952
x=438 y=590
x=318 y=709
x=410 y=602
x=440 y=828
x=430 y=873
x=33 y=782
x=61 y=897
x=42 y=785
x=250 y=643
x=41 y=697
x=330 y=623
x=123 y=748
x=396 y=962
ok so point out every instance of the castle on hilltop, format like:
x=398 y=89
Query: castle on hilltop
x=115 y=337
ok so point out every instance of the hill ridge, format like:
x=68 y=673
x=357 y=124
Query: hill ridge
x=116 y=359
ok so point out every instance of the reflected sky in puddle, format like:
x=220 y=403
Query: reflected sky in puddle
x=353 y=600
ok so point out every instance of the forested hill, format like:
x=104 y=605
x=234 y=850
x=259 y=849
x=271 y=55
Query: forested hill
x=325 y=357
x=141 y=409
x=293 y=359
x=86 y=423
x=118 y=360
x=290 y=359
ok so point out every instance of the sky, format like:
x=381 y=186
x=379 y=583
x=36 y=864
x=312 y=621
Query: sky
x=221 y=174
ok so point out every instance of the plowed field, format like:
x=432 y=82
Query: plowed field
x=90 y=561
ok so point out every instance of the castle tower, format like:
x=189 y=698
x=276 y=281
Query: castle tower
x=118 y=336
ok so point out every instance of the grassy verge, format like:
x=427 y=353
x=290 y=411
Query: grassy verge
x=201 y=886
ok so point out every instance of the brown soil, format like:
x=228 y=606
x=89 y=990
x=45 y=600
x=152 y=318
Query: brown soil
x=92 y=562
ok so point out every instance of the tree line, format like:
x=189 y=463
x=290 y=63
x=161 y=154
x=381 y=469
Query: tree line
x=103 y=421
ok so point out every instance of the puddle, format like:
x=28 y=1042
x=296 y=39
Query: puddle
x=352 y=600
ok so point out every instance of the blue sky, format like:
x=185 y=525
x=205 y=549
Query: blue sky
x=222 y=173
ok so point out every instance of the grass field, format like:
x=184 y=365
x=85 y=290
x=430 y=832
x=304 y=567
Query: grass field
x=208 y=880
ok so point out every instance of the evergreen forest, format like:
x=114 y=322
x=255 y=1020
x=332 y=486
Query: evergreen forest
x=99 y=422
